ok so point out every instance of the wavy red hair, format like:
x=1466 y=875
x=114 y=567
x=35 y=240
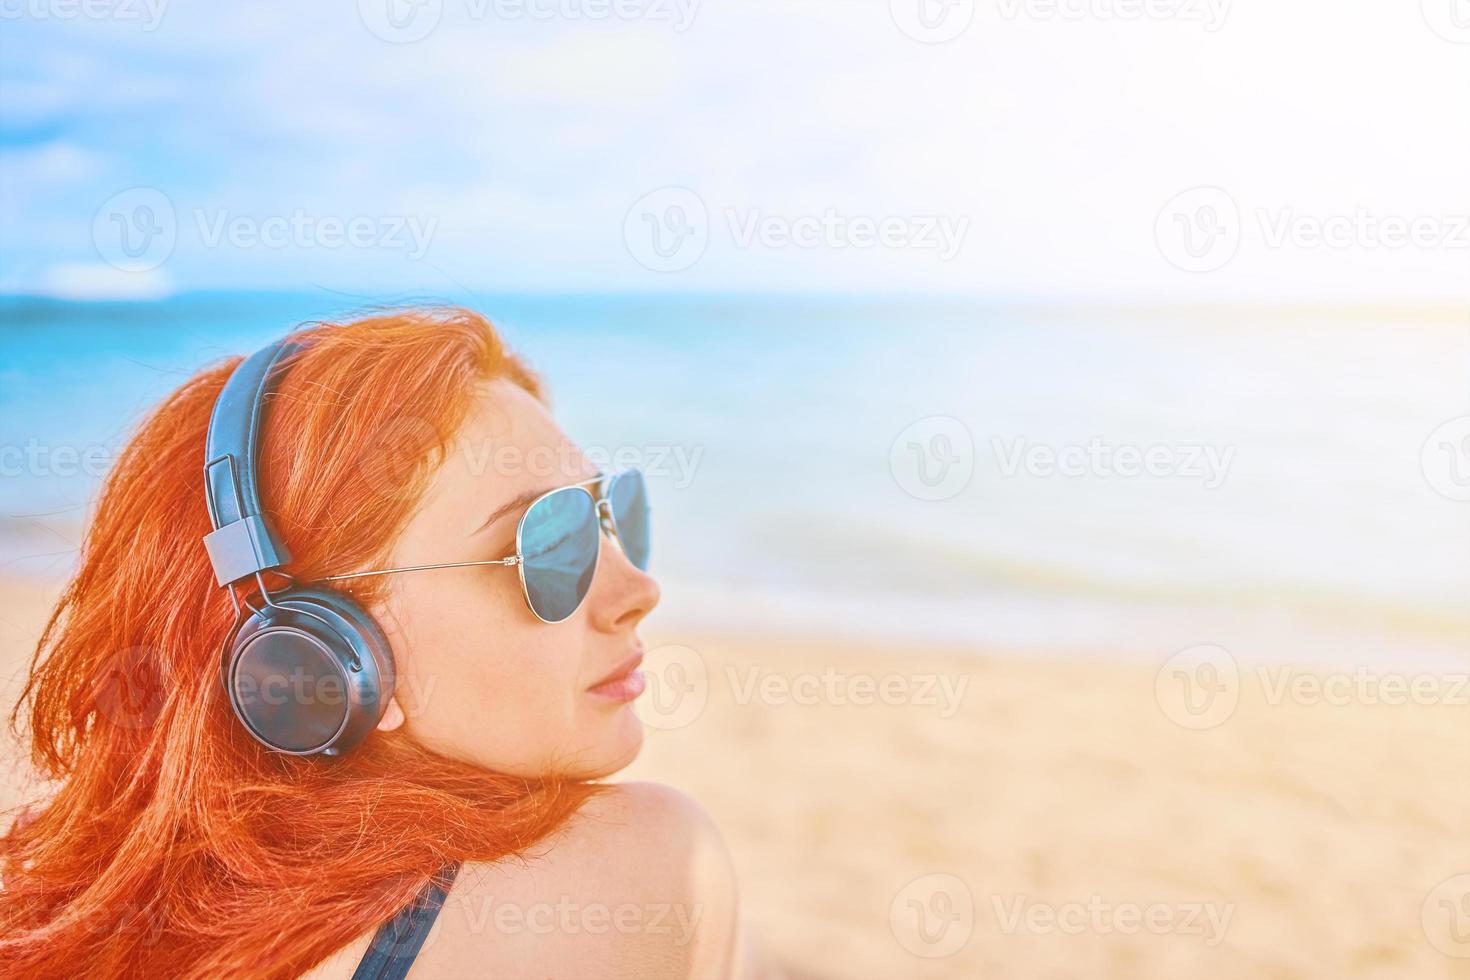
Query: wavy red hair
x=170 y=843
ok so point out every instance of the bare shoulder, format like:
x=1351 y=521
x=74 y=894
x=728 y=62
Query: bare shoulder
x=651 y=833
x=637 y=884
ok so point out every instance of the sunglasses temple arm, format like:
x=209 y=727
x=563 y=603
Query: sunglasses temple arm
x=512 y=560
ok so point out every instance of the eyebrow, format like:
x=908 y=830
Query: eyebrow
x=525 y=499
x=516 y=503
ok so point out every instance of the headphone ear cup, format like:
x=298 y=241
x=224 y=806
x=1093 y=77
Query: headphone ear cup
x=309 y=673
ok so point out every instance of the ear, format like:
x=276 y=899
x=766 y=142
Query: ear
x=393 y=716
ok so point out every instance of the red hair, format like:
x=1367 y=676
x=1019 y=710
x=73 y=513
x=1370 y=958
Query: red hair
x=173 y=844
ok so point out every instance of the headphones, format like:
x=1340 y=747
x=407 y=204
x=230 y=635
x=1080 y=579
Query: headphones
x=309 y=672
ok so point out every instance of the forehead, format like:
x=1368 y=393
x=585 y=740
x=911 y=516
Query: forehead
x=508 y=445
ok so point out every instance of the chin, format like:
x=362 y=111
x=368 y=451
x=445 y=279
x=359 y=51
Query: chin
x=624 y=741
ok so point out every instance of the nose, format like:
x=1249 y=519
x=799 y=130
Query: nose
x=621 y=594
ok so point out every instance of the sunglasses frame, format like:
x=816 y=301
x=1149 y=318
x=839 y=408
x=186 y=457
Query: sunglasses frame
x=607 y=521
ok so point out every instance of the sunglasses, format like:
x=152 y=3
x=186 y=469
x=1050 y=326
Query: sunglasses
x=559 y=538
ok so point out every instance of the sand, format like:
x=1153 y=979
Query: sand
x=1043 y=817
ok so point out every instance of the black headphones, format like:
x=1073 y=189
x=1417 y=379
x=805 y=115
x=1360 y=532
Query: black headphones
x=309 y=671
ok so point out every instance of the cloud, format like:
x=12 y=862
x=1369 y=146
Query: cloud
x=58 y=162
x=97 y=280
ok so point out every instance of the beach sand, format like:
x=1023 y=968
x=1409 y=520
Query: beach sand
x=1049 y=818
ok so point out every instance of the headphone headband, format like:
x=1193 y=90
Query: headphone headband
x=313 y=641
x=242 y=542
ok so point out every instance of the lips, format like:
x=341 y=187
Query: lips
x=624 y=684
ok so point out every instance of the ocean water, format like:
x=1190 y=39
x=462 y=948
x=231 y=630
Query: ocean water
x=879 y=466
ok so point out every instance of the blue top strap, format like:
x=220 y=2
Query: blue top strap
x=397 y=942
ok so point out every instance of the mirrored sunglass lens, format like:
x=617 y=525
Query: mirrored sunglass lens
x=559 y=540
x=629 y=498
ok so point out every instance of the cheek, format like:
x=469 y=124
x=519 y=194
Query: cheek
x=480 y=677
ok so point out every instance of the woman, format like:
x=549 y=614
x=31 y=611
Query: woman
x=404 y=463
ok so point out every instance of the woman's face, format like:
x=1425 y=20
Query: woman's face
x=480 y=678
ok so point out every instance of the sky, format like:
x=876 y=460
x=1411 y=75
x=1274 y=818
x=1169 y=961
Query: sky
x=1129 y=150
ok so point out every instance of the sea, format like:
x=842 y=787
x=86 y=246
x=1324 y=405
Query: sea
x=1002 y=476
